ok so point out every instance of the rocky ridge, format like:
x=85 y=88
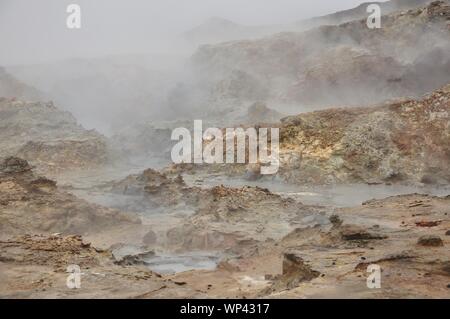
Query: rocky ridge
x=49 y=138
x=348 y=64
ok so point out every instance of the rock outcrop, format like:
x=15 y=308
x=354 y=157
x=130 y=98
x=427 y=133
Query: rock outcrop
x=214 y=217
x=31 y=204
x=49 y=138
x=400 y=142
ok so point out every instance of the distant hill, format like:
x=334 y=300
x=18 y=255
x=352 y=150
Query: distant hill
x=216 y=30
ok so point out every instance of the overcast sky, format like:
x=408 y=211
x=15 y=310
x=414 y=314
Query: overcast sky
x=35 y=30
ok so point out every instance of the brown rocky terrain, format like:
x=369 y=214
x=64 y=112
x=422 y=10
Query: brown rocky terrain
x=275 y=247
x=401 y=142
x=40 y=236
x=269 y=245
x=406 y=141
x=210 y=218
x=36 y=267
x=331 y=260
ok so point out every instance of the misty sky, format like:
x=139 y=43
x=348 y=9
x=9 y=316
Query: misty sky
x=35 y=31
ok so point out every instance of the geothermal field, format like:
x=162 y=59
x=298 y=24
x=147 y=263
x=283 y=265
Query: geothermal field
x=307 y=157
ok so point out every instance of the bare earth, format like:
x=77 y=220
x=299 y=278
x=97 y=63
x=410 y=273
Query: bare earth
x=270 y=246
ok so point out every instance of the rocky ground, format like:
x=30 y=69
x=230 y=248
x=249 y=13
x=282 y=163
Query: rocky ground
x=269 y=245
x=404 y=235
x=212 y=218
x=41 y=228
x=278 y=247
x=406 y=141
x=36 y=267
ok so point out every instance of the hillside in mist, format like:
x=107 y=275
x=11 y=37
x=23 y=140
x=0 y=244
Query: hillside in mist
x=347 y=64
x=216 y=30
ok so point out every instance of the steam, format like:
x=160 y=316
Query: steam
x=132 y=61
